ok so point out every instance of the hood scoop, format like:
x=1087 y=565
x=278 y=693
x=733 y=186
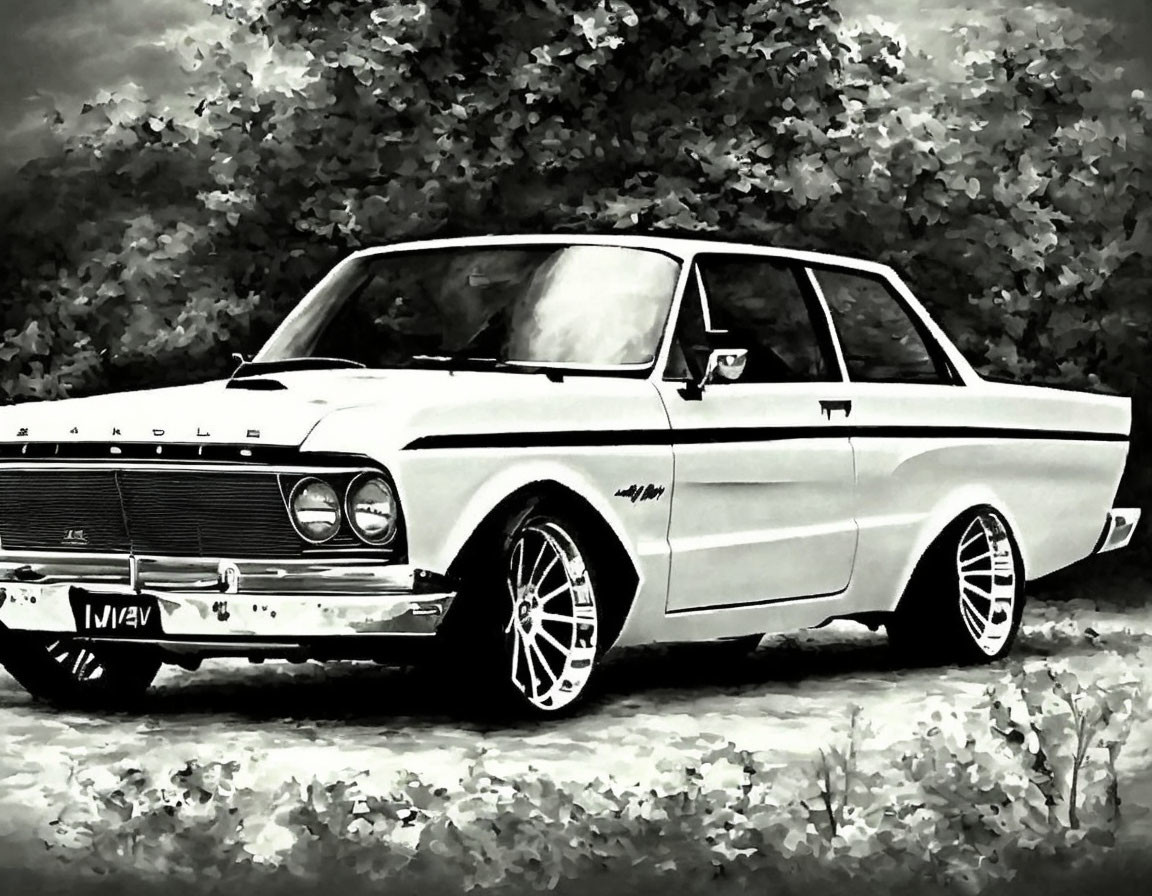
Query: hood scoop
x=260 y=384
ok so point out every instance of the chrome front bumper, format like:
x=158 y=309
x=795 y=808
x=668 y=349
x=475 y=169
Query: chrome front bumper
x=202 y=602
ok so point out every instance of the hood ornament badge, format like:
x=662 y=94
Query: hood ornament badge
x=74 y=537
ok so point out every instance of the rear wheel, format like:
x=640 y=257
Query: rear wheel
x=965 y=600
x=61 y=670
x=528 y=622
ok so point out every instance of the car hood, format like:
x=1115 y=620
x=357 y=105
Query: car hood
x=207 y=413
x=330 y=409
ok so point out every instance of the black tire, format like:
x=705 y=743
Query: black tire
x=480 y=636
x=62 y=672
x=971 y=575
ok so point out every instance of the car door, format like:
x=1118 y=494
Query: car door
x=762 y=504
x=909 y=410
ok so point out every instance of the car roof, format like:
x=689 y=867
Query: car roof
x=679 y=247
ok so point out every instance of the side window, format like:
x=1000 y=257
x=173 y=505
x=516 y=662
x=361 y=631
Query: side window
x=881 y=342
x=762 y=305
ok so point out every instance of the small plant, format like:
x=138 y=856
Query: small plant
x=1068 y=734
x=966 y=802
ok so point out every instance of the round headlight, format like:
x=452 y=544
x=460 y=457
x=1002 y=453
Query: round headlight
x=372 y=509
x=315 y=510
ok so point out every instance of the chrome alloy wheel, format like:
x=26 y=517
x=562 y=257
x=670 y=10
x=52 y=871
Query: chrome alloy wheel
x=986 y=569
x=553 y=623
x=66 y=671
x=78 y=662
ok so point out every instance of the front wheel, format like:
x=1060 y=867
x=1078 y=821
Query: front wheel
x=965 y=600
x=530 y=619
x=61 y=670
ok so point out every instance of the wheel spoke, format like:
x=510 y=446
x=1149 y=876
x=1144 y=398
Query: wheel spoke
x=516 y=642
x=979 y=592
x=531 y=668
x=549 y=665
x=539 y=580
x=544 y=598
x=970 y=561
x=976 y=614
x=558 y=617
x=979 y=533
x=548 y=636
x=91 y=667
x=993 y=563
x=543 y=662
x=971 y=621
x=536 y=562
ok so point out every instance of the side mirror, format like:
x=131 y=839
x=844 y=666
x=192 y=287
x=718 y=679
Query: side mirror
x=725 y=364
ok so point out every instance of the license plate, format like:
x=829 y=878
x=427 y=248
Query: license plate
x=115 y=614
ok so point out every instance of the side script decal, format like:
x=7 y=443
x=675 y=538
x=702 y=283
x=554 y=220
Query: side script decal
x=636 y=492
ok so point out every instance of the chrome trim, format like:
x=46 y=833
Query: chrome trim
x=227 y=648
x=705 y=307
x=25 y=464
x=351 y=518
x=572 y=365
x=275 y=620
x=313 y=577
x=1119 y=529
x=301 y=483
x=834 y=337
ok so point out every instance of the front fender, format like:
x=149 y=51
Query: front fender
x=446 y=497
x=522 y=476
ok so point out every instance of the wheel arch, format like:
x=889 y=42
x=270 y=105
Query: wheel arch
x=946 y=515
x=598 y=524
x=941 y=523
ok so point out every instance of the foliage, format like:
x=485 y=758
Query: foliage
x=967 y=802
x=155 y=241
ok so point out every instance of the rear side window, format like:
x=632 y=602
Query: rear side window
x=881 y=341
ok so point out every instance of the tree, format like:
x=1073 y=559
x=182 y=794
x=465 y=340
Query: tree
x=1017 y=203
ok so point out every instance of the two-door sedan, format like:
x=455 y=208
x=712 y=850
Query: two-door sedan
x=523 y=452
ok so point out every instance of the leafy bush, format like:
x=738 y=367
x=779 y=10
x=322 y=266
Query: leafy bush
x=967 y=802
x=1016 y=199
x=1014 y=193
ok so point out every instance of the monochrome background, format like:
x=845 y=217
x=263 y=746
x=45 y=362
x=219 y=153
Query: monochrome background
x=67 y=50
x=174 y=174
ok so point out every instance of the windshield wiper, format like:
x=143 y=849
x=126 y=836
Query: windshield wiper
x=259 y=368
x=459 y=361
x=461 y=357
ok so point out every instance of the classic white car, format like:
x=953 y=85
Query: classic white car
x=524 y=452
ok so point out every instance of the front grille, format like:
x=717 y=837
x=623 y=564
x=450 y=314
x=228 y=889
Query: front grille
x=62 y=511
x=178 y=513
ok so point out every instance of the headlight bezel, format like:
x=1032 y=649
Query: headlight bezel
x=300 y=485
x=357 y=482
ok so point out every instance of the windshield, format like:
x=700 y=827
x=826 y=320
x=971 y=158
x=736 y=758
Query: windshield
x=575 y=305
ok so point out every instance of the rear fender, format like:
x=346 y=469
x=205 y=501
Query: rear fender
x=947 y=511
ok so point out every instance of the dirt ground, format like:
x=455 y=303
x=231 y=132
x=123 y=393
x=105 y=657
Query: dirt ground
x=786 y=700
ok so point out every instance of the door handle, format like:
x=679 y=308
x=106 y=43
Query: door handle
x=827 y=407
